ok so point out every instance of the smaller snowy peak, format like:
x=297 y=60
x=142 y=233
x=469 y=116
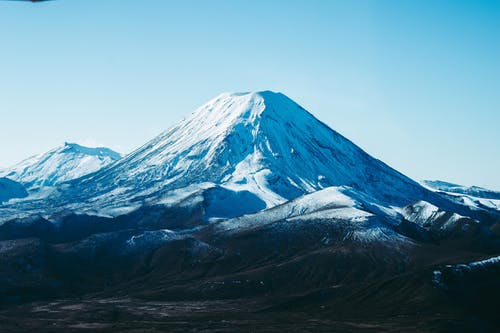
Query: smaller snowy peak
x=475 y=191
x=66 y=162
x=10 y=189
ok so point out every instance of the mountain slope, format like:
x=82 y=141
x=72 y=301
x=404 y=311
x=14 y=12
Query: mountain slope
x=475 y=197
x=60 y=164
x=299 y=219
x=10 y=189
x=262 y=143
x=475 y=191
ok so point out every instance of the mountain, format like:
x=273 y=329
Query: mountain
x=10 y=189
x=261 y=145
x=473 y=196
x=60 y=164
x=252 y=211
x=475 y=191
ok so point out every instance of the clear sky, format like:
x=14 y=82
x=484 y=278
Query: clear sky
x=414 y=83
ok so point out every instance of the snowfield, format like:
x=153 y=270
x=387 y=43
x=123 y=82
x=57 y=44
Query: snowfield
x=60 y=164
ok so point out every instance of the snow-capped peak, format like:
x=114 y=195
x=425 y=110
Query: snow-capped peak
x=261 y=142
x=63 y=163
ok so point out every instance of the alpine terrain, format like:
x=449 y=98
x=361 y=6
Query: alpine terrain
x=10 y=189
x=248 y=215
x=60 y=164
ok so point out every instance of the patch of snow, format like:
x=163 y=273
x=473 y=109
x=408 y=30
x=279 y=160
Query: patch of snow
x=460 y=269
x=327 y=203
x=156 y=236
x=493 y=261
x=473 y=191
x=375 y=234
x=426 y=215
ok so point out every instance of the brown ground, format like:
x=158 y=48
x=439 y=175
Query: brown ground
x=126 y=315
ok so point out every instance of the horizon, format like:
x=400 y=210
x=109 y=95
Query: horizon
x=414 y=87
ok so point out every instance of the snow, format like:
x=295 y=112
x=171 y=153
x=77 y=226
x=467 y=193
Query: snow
x=460 y=269
x=493 y=204
x=240 y=162
x=324 y=207
x=486 y=262
x=376 y=234
x=426 y=215
x=60 y=164
x=472 y=191
x=345 y=213
x=237 y=154
x=156 y=236
x=260 y=143
x=437 y=278
x=473 y=196
x=245 y=158
x=421 y=212
x=178 y=195
x=329 y=203
x=493 y=261
x=10 y=189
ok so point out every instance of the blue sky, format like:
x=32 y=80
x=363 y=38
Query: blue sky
x=414 y=83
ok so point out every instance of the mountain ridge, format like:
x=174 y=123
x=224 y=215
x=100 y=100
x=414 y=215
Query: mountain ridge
x=60 y=164
x=475 y=191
